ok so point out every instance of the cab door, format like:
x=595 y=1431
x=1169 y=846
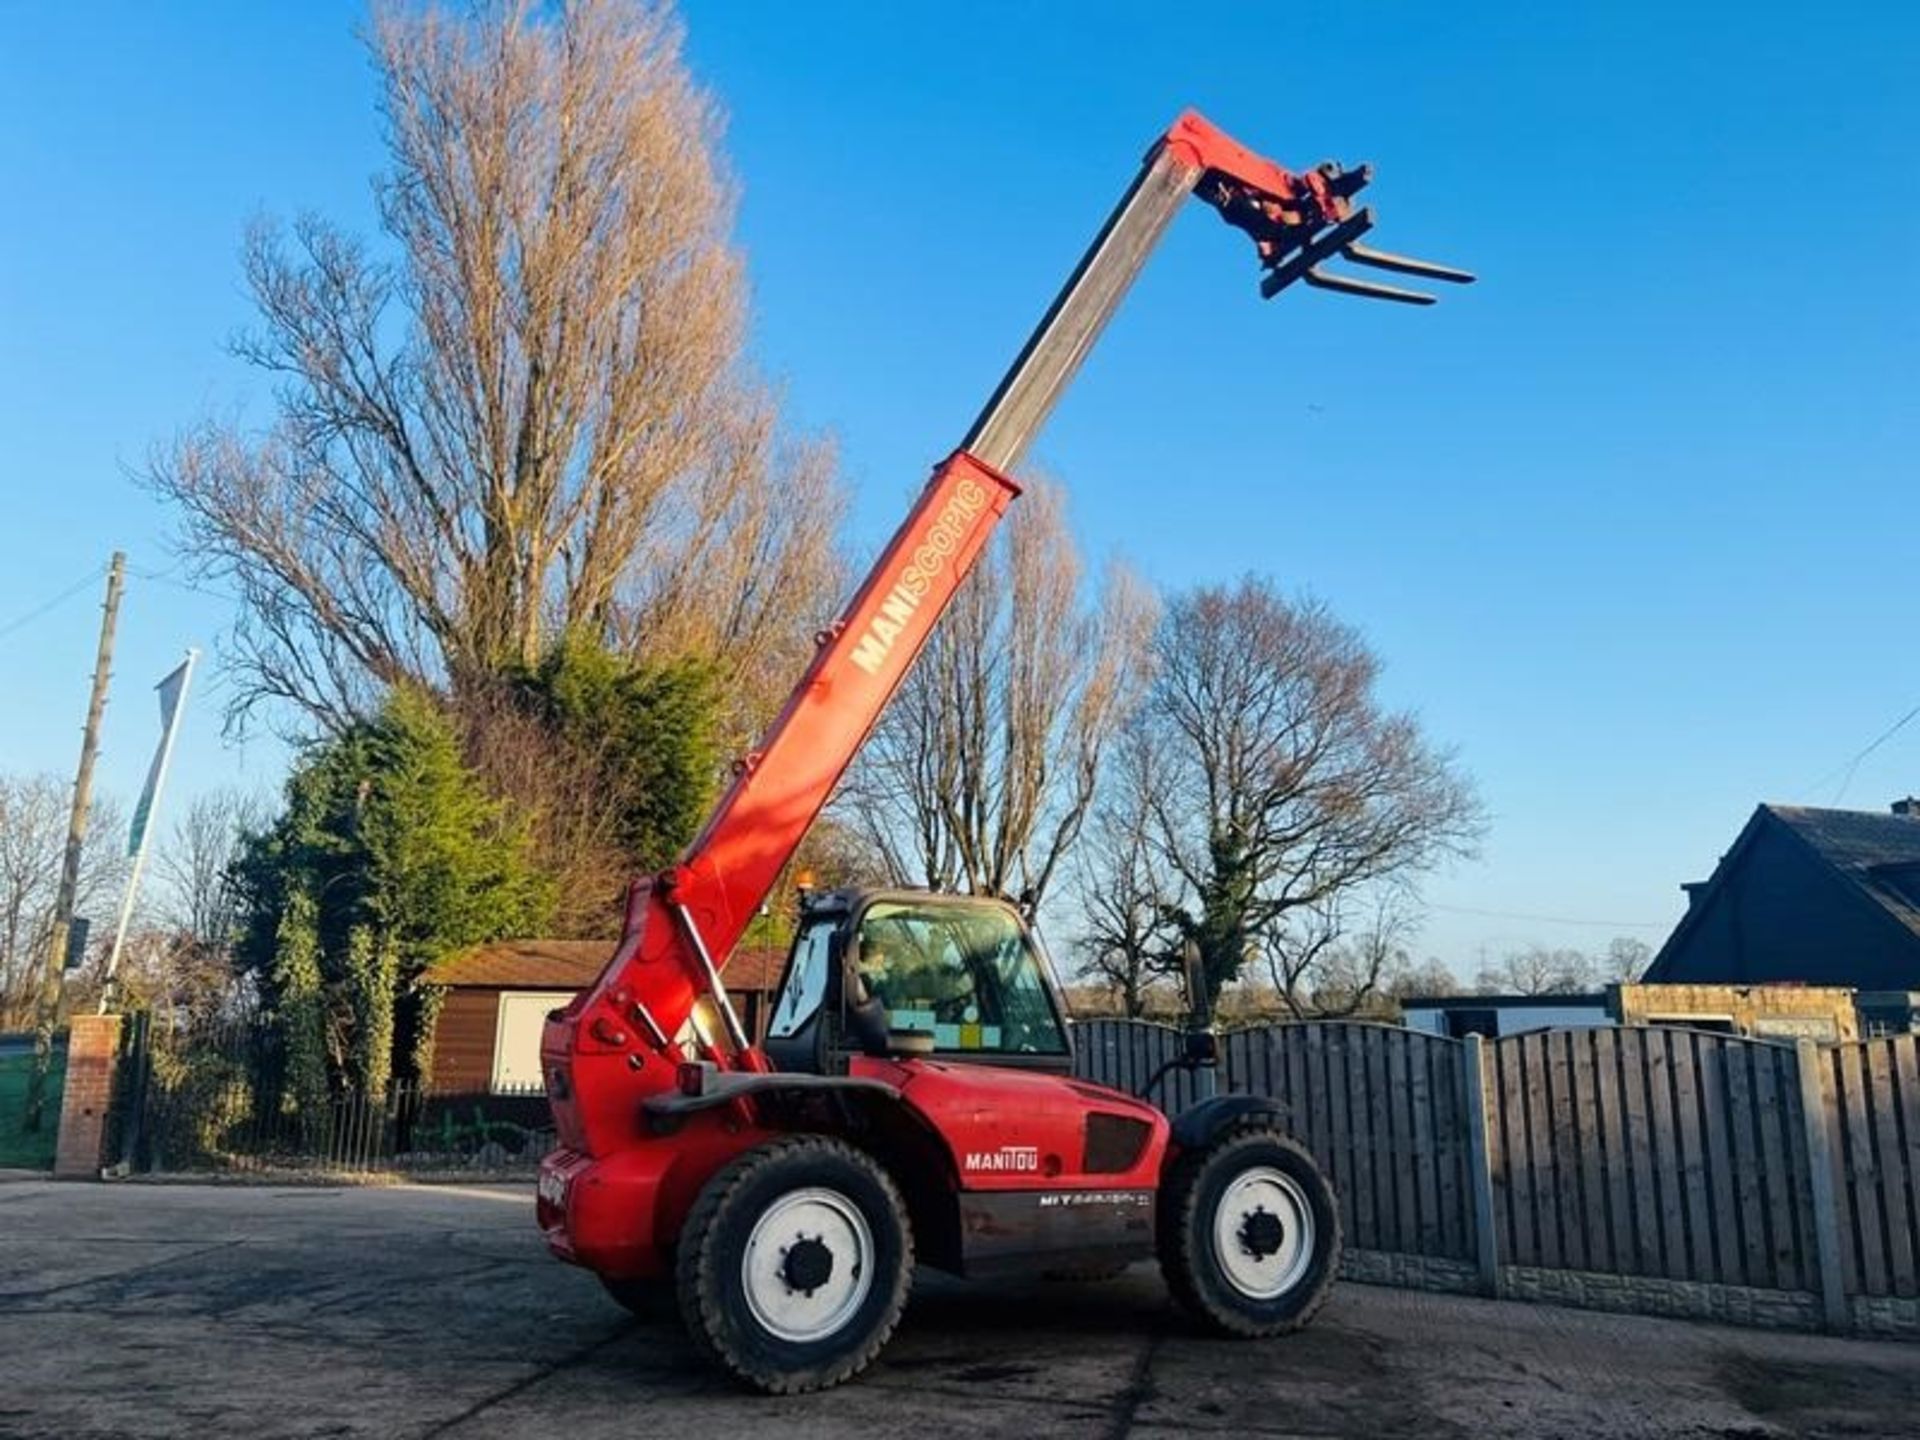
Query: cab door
x=801 y=1034
x=965 y=972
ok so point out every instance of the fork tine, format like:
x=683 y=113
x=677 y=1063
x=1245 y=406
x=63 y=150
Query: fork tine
x=1405 y=264
x=1347 y=285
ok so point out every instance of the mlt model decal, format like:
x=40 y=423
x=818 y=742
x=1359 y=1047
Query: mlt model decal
x=929 y=558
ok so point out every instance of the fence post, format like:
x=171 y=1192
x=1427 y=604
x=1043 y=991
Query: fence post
x=1486 y=1239
x=1826 y=1210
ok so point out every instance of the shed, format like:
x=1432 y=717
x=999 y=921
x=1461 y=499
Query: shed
x=487 y=1036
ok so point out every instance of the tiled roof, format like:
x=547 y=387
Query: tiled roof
x=575 y=964
x=754 y=969
x=1875 y=850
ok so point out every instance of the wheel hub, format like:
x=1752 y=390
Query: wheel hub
x=807 y=1264
x=1263 y=1232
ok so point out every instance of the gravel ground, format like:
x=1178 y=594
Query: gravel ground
x=427 y=1311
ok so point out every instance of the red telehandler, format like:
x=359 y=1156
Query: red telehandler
x=912 y=1101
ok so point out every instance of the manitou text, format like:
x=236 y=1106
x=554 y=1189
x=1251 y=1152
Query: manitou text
x=929 y=558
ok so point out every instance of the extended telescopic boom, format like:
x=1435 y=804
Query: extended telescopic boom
x=682 y=924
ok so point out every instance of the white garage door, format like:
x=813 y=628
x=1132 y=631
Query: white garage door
x=516 y=1043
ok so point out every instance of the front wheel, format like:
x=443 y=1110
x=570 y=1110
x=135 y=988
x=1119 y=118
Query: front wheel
x=1249 y=1233
x=794 y=1264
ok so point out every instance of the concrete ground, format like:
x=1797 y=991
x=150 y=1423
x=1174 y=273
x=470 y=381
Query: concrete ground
x=244 y=1311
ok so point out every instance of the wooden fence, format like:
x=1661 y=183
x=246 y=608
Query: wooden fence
x=1672 y=1168
x=1653 y=1152
x=1871 y=1094
x=1381 y=1108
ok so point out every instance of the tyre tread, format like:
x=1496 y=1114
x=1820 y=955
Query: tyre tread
x=697 y=1278
x=1180 y=1237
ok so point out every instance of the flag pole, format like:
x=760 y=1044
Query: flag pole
x=143 y=817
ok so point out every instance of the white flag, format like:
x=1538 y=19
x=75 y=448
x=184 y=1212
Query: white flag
x=172 y=690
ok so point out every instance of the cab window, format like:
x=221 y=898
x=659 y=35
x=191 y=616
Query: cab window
x=806 y=982
x=963 y=974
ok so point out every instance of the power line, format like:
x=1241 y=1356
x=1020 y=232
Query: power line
x=164 y=577
x=178 y=564
x=1852 y=767
x=72 y=590
x=1548 y=919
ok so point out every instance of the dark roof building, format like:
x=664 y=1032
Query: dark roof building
x=1815 y=897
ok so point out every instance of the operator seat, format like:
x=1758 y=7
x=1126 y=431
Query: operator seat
x=870 y=1026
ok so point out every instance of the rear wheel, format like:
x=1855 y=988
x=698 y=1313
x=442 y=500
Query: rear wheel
x=1249 y=1233
x=794 y=1264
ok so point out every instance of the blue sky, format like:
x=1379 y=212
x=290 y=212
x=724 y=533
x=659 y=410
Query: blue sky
x=1629 y=521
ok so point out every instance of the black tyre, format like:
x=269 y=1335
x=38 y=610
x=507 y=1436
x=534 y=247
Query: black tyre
x=794 y=1264
x=1249 y=1234
x=645 y=1299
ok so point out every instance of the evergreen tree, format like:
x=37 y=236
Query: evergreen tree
x=610 y=763
x=649 y=733
x=388 y=856
x=299 y=989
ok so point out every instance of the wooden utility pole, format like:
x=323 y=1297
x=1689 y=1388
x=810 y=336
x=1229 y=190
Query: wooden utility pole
x=52 y=973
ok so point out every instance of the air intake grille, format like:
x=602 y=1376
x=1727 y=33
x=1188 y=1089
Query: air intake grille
x=1114 y=1143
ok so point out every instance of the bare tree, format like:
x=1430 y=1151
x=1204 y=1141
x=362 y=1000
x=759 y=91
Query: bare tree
x=33 y=816
x=1625 y=960
x=1430 y=977
x=1563 y=969
x=1343 y=955
x=1124 y=939
x=1537 y=970
x=1287 y=790
x=199 y=902
x=163 y=970
x=982 y=771
x=33 y=838
x=528 y=410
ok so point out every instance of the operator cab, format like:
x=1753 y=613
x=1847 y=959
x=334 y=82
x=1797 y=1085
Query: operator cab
x=908 y=973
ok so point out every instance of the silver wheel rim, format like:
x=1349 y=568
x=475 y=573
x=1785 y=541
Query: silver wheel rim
x=821 y=1216
x=1263 y=1190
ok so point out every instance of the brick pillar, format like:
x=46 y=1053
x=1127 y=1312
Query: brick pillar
x=93 y=1048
